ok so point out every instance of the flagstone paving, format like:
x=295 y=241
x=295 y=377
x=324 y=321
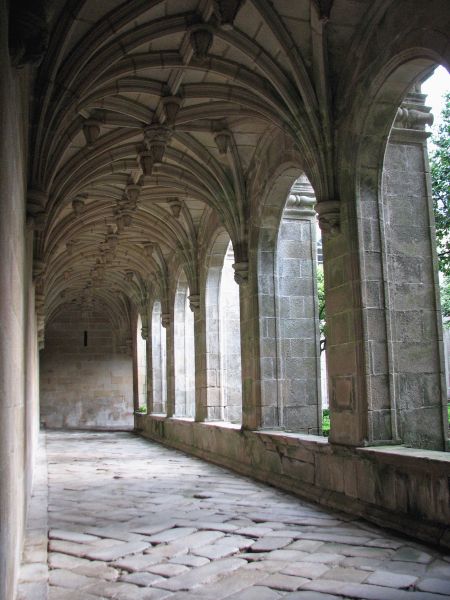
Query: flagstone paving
x=115 y=516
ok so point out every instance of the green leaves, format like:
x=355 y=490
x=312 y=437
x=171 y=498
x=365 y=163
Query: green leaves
x=440 y=178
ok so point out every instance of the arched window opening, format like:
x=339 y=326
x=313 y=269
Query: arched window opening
x=406 y=395
x=230 y=342
x=141 y=357
x=297 y=314
x=159 y=364
x=184 y=352
x=320 y=279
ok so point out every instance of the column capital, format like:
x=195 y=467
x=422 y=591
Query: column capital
x=165 y=320
x=39 y=267
x=241 y=272
x=194 y=302
x=329 y=213
x=36 y=203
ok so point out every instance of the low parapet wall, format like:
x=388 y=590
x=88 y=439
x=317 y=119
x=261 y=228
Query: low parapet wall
x=401 y=488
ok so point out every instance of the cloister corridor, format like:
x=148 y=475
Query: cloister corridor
x=129 y=519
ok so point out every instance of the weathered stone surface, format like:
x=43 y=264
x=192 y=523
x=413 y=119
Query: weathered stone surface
x=32 y=591
x=141 y=579
x=434 y=585
x=267 y=544
x=305 y=569
x=286 y=583
x=394 y=580
x=232 y=517
x=117 y=551
x=190 y=560
x=71 y=536
x=257 y=592
x=200 y=575
x=409 y=554
x=68 y=579
x=33 y=572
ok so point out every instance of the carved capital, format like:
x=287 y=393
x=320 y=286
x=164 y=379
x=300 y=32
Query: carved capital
x=222 y=139
x=413 y=118
x=165 y=320
x=194 y=302
x=241 y=272
x=91 y=131
x=172 y=105
x=36 y=203
x=175 y=207
x=201 y=39
x=329 y=213
x=132 y=191
x=146 y=160
x=39 y=267
x=226 y=11
x=156 y=137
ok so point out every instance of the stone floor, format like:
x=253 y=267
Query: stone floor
x=131 y=520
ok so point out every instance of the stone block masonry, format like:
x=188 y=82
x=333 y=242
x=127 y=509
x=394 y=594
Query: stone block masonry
x=85 y=386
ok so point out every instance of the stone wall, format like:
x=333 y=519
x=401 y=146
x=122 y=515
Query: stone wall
x=84 y=386
x=397 y=487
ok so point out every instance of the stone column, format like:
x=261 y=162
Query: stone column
x=167 y=322
x=345 y=342
x=13 y=285
x=251 y=384
x=134 y=357
x=196 y=304
x=384 y=330
x=414 y=323
x=298 y=330
x=146 y=333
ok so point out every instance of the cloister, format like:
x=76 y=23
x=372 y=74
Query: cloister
x=173 y=175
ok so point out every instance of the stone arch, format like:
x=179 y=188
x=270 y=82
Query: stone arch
x=223 y=356
x=401 y=397
x=282 y=363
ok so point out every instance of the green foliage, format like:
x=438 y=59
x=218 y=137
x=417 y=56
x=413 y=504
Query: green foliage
x=142 y=409
x=445 y=297
x=440 y=178
x=326 y=422
x=321 y=300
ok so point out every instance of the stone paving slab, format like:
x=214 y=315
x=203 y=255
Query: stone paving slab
x=131 y=520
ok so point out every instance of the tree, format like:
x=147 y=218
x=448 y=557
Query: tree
x=445 y=297
x=321 y=302
x=440 y=179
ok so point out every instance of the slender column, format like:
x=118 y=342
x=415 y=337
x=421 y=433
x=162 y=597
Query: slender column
x=167 y=322
x=251 y=384
x=197 y=305
x=146 y=333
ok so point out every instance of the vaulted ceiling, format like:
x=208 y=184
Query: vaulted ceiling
x=150 y=118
